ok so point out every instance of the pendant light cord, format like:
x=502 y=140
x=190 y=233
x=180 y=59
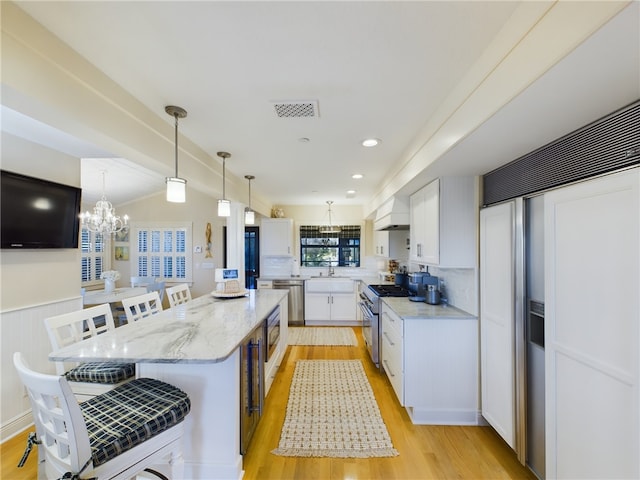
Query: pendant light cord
x=176 y=143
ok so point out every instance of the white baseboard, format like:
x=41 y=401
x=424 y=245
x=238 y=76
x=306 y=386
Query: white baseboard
x=15 y=426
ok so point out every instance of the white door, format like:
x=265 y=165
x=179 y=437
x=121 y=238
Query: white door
x=497 y=318
x=592 y=337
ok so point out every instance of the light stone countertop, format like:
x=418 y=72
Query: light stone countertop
x=409 y=310
x=204 y=330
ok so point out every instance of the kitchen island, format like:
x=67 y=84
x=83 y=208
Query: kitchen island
x=196 y=347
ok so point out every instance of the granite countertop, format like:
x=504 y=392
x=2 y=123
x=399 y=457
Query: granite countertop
x=204 y=330
x=408 y=310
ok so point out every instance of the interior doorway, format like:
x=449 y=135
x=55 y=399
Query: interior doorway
x=251 y=256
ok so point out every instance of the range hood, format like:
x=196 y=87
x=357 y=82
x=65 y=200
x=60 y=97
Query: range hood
x=393 y=215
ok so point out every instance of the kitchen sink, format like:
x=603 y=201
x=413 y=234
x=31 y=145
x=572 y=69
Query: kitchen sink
x=329 y=284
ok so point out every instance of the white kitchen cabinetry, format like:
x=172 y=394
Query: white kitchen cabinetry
x=433 y=367
x=443 y=223
x=330 y=301
x=592 y=328
x=276 y=237
x=381 y=240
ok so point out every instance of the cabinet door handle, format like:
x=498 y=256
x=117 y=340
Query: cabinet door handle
x=386 y=364
x=381 y=250
x=388 y=339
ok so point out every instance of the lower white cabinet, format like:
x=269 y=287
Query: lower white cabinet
x=330 y=308
x=432 y=364
x=330 y=301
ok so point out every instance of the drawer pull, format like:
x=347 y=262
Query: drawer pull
x=391 y=374
x=388 y=339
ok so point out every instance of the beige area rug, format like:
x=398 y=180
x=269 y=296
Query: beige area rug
x=332 y=412
x=322 y=336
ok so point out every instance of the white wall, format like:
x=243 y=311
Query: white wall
x=199 y=209
x=34 y=284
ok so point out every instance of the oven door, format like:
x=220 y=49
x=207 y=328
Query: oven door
x=370 y=330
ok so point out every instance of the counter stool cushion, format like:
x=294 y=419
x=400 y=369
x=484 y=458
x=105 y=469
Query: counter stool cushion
x=101 y=372
x=126 y=416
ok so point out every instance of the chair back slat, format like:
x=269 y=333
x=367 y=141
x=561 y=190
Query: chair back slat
x=178 y=294
x=57 y=417
x=142 y=306
x=72 y=327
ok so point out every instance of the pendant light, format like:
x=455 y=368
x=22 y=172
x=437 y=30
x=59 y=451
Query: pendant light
x=176 y=186
x=104 y=219
x=224 y=205
x=249 y=215
x=330 y=228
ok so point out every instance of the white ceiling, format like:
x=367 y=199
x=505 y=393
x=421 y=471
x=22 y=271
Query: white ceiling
x=376 y=69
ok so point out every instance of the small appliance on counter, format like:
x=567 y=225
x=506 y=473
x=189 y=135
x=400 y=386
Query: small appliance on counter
x=425 y=287
x=227 y=280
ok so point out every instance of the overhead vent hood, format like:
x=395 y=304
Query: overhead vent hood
x=393 y=215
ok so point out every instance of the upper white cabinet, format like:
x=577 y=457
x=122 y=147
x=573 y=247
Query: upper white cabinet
x=276 y=237
x=443 y=217
x=381 y=240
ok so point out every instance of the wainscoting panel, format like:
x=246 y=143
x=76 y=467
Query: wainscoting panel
x=23 y=330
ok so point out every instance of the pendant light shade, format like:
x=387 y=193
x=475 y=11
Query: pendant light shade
x=224 y=205
x=249 y=215
x=176 y=186
x=330 y=228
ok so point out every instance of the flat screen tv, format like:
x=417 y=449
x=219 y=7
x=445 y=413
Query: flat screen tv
x=36 y=213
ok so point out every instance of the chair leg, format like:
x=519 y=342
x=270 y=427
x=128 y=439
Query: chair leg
x=176 y=463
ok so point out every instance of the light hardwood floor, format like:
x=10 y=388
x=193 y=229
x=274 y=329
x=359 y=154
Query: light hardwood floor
x=426 y=452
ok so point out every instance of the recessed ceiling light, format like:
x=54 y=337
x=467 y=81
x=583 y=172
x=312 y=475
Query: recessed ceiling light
x=370 y=142
x=357 y=176
x=351 y=193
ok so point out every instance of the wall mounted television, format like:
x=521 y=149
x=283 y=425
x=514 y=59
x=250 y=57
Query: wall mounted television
x=37 y=213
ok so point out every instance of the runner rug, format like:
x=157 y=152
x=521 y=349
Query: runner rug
x=332 y=412
x=322 y=336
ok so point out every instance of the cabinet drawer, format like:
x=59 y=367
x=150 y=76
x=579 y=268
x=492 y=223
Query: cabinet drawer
x=391 y=321
x=392 y=363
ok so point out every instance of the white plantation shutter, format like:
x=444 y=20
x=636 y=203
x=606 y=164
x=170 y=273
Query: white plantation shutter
x=162 y=250
x=94 y=259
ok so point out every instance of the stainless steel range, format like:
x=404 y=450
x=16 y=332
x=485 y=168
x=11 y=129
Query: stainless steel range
x=370 y=299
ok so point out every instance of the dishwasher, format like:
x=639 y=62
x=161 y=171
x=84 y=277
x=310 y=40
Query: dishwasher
x=296 y=299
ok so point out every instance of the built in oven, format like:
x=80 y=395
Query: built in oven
x=272 y=332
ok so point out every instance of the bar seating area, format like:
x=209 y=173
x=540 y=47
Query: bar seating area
x=118 y=434
x=91 y=378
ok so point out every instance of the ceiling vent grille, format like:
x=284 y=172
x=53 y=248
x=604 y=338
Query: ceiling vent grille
x=605 y=145
x=296 y=109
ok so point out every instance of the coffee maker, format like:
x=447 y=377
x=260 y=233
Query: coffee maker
x=425 y=288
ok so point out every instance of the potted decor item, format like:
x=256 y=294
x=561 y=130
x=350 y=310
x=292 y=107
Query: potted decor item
x=110 y=277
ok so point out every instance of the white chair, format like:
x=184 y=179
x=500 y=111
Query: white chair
x=157 y=286
x=178 y=294
x=114 y=435
x=142 y=306
x=142 y=281
x=92 y=378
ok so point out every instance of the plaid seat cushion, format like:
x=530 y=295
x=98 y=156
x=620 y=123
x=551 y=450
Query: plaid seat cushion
x=101 y=372
x=126 y=416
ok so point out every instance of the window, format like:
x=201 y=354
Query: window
x=162 y=250
x=330 y=249
x=94 y=255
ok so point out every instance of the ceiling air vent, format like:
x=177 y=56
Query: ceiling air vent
x=296 y=109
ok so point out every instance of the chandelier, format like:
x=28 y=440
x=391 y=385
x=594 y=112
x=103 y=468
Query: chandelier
x=331 y=228
x=104 y=219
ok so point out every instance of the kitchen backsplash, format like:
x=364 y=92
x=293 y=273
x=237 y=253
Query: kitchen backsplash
x=460 y=287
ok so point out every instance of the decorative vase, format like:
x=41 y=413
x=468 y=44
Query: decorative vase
x=109 y=285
